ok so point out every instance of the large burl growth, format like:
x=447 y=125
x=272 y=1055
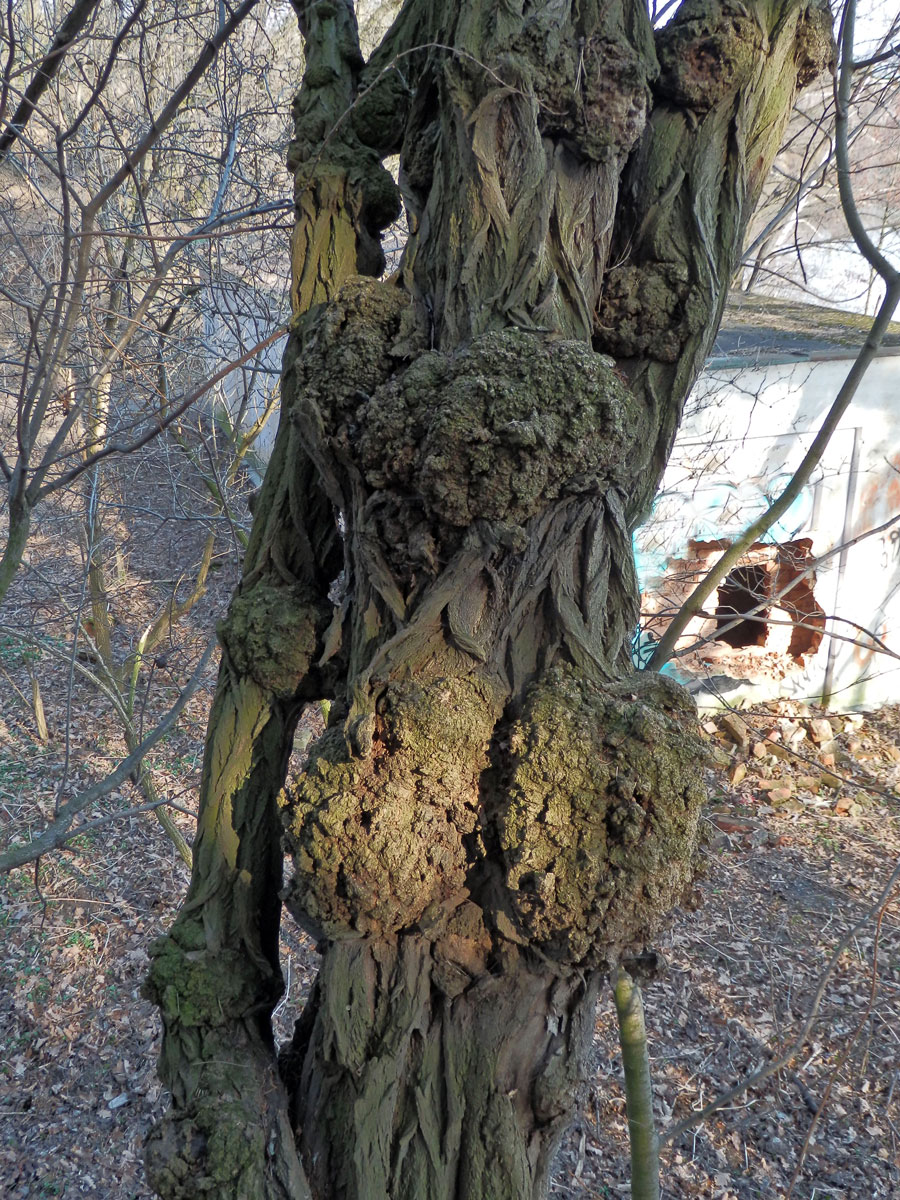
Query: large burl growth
x=488 y=608
x=500 y=808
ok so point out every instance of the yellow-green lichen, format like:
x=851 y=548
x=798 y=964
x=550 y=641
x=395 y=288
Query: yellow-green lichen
x=598 y=817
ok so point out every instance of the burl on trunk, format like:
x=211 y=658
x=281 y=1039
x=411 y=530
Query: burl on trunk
x=500 y=806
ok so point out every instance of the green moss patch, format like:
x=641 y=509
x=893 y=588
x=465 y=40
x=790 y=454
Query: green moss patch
x=198 y=988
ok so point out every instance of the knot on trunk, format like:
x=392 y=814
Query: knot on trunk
x=343 y=348
x=710 y=51
x=597 y=812
x=707 y=53
x=495 y=432
x=498 y=429
x=381 y=110
x=270 y=636
x=378 y=841
x=650 y=310
x=596 y=96
x=816 y=51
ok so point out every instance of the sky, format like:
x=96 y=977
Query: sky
x=873 y=19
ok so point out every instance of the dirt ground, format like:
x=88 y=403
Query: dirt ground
x=803 y=835
x=785 y=881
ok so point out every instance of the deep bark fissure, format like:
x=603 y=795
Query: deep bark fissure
x=498 y=808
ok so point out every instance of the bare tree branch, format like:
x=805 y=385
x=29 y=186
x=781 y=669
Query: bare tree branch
x=77 y=18
x=158 y=426
x=59 y=831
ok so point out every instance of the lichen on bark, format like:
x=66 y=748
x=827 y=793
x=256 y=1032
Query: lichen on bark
x=378 y=840
x=597 y=812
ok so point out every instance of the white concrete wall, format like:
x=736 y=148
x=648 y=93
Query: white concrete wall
x=745 y=432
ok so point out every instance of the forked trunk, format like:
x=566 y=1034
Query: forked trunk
x=499 y=807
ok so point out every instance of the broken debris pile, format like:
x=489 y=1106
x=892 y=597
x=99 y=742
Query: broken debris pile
x=785 y=757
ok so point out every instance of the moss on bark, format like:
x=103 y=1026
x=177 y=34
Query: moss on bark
x=597 y=812
x=230 y=1133
x=195 y=987
x=498 y=807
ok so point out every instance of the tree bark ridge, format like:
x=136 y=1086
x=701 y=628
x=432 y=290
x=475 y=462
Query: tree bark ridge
x=499 y=808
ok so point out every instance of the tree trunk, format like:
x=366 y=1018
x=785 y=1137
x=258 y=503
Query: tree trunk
x=499 y=807
x=491 y=817
x=432 y=1085
x=18 y=528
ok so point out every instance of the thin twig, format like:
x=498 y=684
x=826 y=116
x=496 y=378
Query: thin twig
x=842 y=1058
x=59 y=830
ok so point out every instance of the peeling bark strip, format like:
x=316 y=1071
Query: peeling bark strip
x=499 y=808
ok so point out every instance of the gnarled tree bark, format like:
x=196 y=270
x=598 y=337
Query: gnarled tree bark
x=499 y=807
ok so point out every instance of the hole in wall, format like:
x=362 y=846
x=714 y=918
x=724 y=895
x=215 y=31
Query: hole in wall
x=781 y=581
x=743 y=590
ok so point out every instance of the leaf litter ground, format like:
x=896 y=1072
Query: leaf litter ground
x=803 y=833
